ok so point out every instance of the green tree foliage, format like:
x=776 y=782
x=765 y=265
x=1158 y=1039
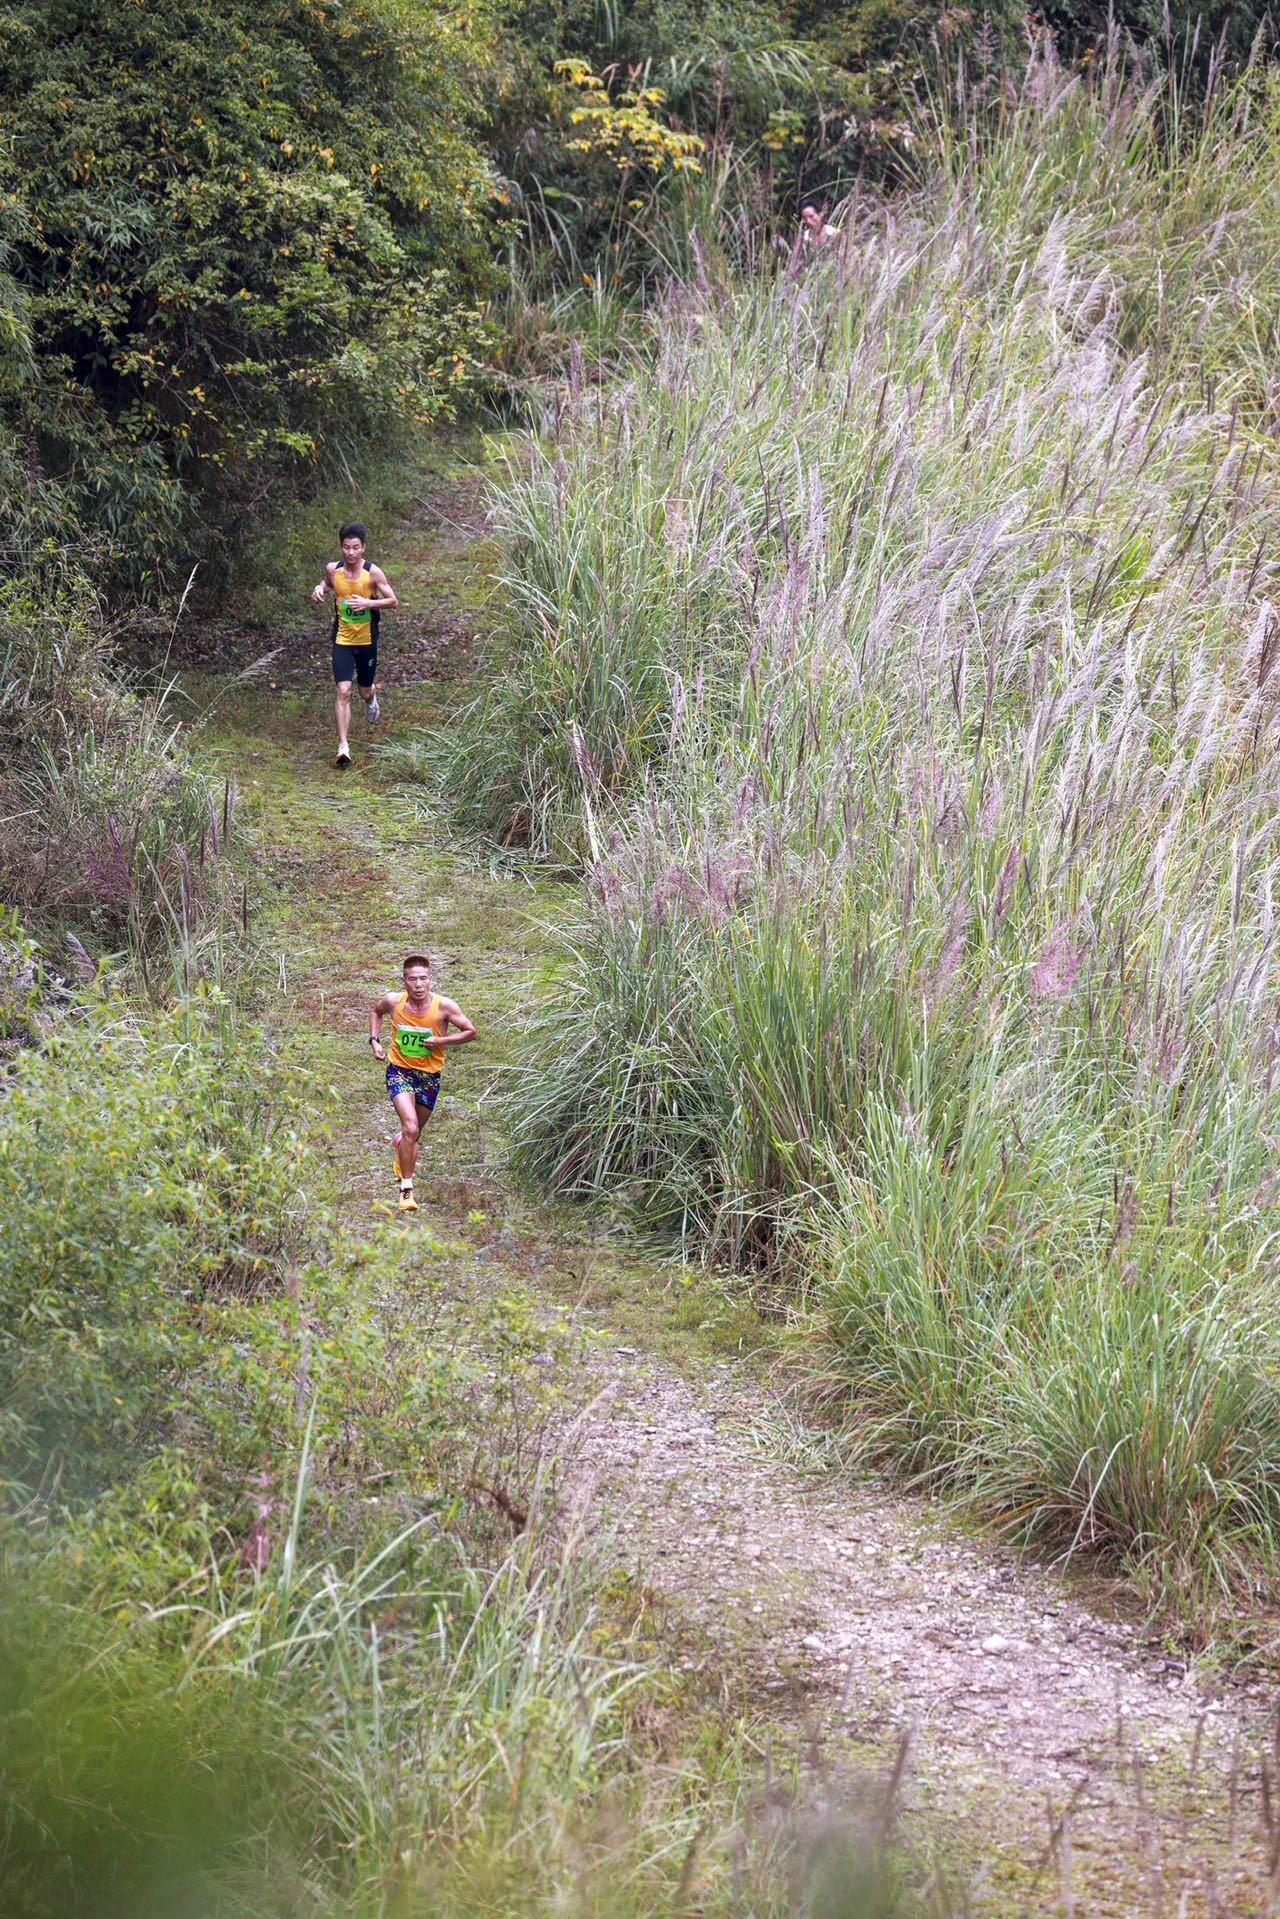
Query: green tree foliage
x=791 y=98
x=33 y=510
x=232 y=246
x=727 y=73
x=1177 y=29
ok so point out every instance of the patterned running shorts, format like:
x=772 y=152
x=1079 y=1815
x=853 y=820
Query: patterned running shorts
x=425 y=1087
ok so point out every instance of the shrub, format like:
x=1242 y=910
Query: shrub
x=238 y=254
x=138 y=1223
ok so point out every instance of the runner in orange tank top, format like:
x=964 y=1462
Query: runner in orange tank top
x=420 y=1032
x=361 y=594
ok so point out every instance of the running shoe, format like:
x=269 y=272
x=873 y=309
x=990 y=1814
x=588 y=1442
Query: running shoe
x=373 y=710
x=344 y=756
x=395 y=1157
x=408 y=1204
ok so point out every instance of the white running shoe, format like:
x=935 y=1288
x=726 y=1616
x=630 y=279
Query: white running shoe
x=373 y=710
x=344 y=756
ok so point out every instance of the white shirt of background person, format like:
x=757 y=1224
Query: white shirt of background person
x=815 y=231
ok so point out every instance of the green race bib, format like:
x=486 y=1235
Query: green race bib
x=415 y=1042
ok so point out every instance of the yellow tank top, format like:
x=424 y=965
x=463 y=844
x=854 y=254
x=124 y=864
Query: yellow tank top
x=354 y=629
x=410 y=1033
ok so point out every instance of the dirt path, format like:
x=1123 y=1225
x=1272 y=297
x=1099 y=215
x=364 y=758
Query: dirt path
x=1059 y=1760
x=1069 y=1764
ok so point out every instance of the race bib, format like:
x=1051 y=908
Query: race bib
x=415 y=1042
x=356 y=616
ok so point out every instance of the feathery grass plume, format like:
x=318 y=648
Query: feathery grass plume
x=963 y=534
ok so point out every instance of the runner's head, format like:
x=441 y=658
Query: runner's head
x=811 y=216
x=353 y=539
x=417 y=975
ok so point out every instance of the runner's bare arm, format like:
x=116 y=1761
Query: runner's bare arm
x=451 y=1014
x=385 y=594
x=377 y=1013
x=323 y=586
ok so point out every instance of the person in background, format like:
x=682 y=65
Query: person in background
x=361 y=593
x=814 y=230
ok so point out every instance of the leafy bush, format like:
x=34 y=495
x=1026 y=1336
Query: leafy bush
x=19 y=981
x=140 y=1224
x=230 y=255
x=909 y=698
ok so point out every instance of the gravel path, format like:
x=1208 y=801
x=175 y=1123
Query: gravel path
x=1111 y=1776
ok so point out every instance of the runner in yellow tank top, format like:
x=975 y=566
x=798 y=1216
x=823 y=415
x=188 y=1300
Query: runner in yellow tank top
x=361 y=593
x=420 y=1023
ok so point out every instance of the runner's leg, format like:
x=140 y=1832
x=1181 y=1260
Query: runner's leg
x=367 y=679
x=342 y=712
x=344 y=671
x=407 y=1151
x=423 y=1113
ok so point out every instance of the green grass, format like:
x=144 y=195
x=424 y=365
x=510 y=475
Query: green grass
x=893 y=652
x=405 y=1707
x=117 y=848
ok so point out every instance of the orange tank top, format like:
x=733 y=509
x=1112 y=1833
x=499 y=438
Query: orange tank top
x=411 y=1034
x=354 y=628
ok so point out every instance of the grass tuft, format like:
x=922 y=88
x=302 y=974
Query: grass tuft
x=895 y=651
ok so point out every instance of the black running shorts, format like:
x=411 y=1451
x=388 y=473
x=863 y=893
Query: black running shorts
x=359 y=663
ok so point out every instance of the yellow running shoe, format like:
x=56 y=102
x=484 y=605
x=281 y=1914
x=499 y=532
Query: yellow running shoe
x=395 y=1158
x=408 y=1204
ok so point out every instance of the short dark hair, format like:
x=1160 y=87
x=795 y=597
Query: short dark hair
x=353 y=530
x=416 y=959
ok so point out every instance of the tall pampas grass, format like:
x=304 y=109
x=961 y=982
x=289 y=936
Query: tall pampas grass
x=896 y=651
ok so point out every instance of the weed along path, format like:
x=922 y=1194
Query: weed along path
x=1057 y=1759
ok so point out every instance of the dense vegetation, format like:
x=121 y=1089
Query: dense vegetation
x=229 y=257
x=238 y=262
x=238 y=257
x=893 y=645
x=896 y=648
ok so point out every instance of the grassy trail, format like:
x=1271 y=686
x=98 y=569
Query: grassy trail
x=355 y=875
x=835 y=1614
